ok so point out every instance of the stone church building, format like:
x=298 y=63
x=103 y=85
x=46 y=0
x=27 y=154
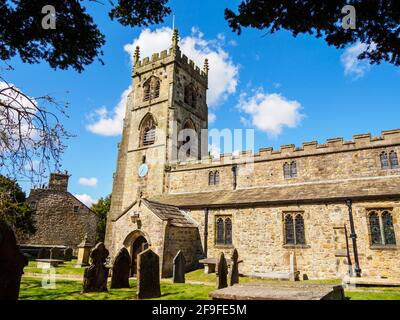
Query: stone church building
x=61 y=220
x=294 y=200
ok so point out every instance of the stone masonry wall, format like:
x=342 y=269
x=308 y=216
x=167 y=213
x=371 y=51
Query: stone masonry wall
x=258 y=235
x=56 y=221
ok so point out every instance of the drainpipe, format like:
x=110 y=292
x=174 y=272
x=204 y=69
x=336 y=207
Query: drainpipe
x=234 y=171
x=353 y=237
x=205 y=231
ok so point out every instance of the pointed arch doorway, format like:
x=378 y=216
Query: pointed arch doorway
x=139 y=245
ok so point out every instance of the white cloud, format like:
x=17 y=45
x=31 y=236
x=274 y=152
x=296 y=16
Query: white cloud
x=89 y=182
x=86 y=199
x=223 y=75
x=352 y=65
x=109 y=123
x=214 y=150
x=211 y=117
x=270 y=112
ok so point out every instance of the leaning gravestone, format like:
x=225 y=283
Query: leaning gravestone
x=222 y=272
x=148 y=275
x=12 y=263
x=95 y=277
x=120 y=270
x=68 y=253
x=234 y=267
x=178 y=269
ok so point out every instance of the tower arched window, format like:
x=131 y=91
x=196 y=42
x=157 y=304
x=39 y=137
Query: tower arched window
x=286 y=170
x=293 y=169
x=189 y=132
x=151 y=88
x=148 y=131
x=210 y=178
x=190 y=95
x=216 y=177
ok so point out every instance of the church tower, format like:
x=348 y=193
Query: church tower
x=168 y=95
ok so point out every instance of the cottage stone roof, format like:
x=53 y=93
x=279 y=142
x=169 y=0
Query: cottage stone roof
x=176 y=216
x=308 y=192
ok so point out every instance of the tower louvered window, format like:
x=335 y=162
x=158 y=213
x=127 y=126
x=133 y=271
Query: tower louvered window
x=148 y=131
x=151 y=88
x=290 y=170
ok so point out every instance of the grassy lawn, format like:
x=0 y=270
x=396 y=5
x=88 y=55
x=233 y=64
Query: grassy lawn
x=31 y=289
x=198 y=289
x=68 y=267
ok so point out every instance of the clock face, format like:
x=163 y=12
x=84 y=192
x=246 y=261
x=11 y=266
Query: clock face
x=143 y=170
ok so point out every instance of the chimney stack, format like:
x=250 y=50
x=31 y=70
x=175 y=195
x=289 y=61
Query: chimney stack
x=59 y=181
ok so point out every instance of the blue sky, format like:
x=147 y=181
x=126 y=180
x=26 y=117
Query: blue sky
x=289 y=89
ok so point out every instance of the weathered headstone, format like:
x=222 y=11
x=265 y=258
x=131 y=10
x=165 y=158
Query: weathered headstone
x=178 y=269
x=43 y=253
x=121 y=269
x=84 y=252
x=234 y=267
x=293 y=273
x=56 y=253
x=222 y=272
x=95 y=277
x=68 y=253
x=12 y=263
x=148 y=275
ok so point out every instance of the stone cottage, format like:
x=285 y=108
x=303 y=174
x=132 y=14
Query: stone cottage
x=269 y=205
x=60 y=218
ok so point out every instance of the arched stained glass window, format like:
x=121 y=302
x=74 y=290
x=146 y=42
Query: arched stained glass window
x=388 y=229
x=216 y=177
x=375 y=229
x=384 y=160
x=211 y=178
x=289 y=229
x=394 y=162
x=293 y=169
x=220 y=231
x=228 y=231
x=286 y=170
x=299 y=228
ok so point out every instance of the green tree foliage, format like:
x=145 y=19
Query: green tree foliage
x=77 y=40
x=377 y=23
x=101 y=208
x=14 y=209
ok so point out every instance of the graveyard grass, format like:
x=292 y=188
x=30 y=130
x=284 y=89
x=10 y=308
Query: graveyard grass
x=198 y=286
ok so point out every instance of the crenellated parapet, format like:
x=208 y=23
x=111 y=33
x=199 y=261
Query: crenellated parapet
x=165 y=57
x=334 y=145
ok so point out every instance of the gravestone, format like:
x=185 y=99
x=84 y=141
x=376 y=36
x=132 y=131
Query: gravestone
x=293 y=273
x=120 y=270
x=84 y=252
x=148 y=275
x=178 y=269
x=12 y=263
x=43 y=253
x=95 y=277
x=222 y=272
x=56 y=254
x=68 y=253
x=234 y=267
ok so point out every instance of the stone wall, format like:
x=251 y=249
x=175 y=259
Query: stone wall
x=258 y=235
x=188 y=241
x=57 y=222
x=334 y=160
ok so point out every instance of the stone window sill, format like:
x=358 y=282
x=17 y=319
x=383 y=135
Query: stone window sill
x=296 y=246
x=383 y=247
x=223 y=246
